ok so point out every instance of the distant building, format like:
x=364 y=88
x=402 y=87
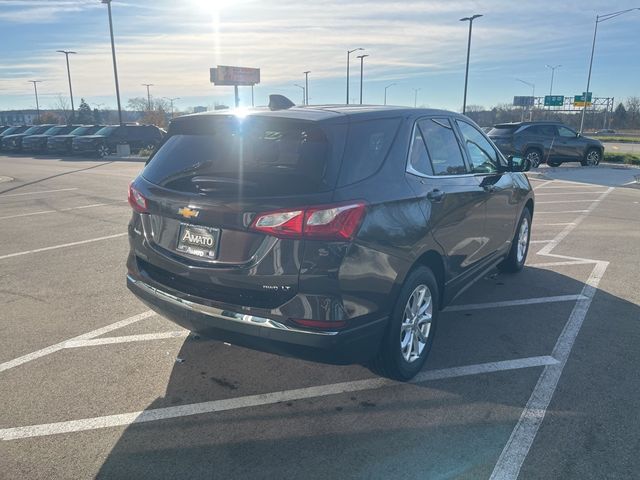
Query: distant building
x=199 y=109
x=19 y=117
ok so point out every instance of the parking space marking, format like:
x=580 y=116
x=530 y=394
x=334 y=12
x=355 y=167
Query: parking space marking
x=35 y=193
x=560 y=264
x=143 y=337
x=539 y=241
x=513 y=303
x=562 y=224
x=64 y=245
x=569 y=193
x=564 y=211
x=567 y=201
x=213 y=406
x=523 y=435
x=42 y=212
x=85 y=336
x=542 y=184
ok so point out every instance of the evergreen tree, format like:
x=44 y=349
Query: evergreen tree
x=84 y=114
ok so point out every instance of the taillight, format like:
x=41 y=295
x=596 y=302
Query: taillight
x=328 y=222
x=137 y=200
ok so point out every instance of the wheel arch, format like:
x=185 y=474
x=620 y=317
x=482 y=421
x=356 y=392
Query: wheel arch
x=434 y=261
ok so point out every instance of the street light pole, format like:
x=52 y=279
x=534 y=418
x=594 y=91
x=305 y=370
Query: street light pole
x=306 y=86
x=113 y=54
x=533 y=95
x=304 y=90
x=553 y=71
x=66 y=54
x=349 y=52
x=385 y=91
x=148 y=94
x=415 y=97
x=466 y=73
x=171 y=101
x=35 y=89
x=599 y=18
x=361 y=57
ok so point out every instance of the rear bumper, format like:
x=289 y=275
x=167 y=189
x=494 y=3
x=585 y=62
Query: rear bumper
x=220 y=322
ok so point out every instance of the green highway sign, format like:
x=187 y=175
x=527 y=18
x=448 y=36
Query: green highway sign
x=553 y=100
x=579 y=100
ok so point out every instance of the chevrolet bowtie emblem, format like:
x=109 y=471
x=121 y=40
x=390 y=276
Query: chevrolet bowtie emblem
x=186 y=212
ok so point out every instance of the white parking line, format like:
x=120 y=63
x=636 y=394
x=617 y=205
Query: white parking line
x=513 y=303
x=553 y=224
x=560 y=264
x=539 y=241
x=569 y=193
x=42 y=212
x=568 y=201
x=85 y=336
x=261 y=399
x=564 y=211
x=517 y=448
x=126 y=339
x=64 y=245
x=36 y=193
x=522 y=437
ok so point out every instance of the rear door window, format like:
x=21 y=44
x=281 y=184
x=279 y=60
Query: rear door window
x=418 y=156
x=255 y=156
x=443 y=147
x=484 y=158
x=368 y=144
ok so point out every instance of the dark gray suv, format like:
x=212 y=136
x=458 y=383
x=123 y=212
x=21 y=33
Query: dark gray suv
x=550 y=142
x=333 y=233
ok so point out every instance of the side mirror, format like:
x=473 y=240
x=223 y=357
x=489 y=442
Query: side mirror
x=578 y=135
x=518 y=164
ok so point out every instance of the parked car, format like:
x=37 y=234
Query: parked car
x=550 y=142
x=13 y=142
x=330 y=233
x=38 y=143
x=11 y=131
x=106 y=140
x=3 y=128
x=62 y=143
x=605 y=131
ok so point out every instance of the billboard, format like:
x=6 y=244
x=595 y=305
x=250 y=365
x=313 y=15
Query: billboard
x=523 y=101
x=226 y=75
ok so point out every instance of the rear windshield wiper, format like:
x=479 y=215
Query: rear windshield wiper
x=223 y=181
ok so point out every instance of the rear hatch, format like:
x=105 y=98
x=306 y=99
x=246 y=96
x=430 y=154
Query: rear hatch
x=205 y=187
x=502 y=135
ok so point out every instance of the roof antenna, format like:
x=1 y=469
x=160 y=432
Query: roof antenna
x=279 y=102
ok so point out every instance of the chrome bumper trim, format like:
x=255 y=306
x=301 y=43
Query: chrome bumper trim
x=220 y=313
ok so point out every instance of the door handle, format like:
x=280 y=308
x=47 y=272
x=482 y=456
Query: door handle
x=435 y=195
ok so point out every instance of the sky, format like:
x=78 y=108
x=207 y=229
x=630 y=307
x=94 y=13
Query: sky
x=411 y=44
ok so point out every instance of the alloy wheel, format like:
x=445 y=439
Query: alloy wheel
x=523 y=239
x=416 y=323
x=534 y=158
x=593 y=158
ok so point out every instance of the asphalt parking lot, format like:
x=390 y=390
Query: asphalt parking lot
x=532 y=375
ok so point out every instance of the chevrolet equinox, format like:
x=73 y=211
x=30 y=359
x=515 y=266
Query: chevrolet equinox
x=332 y=233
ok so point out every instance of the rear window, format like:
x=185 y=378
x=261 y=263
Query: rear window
x=367 y=147
x=502 y=131
x=256 y=156
x=107 y=130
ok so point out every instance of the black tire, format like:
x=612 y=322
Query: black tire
x=535 y=157
x=514 y=262
x=592 y=158
x=554 y=163
x=391 y=361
